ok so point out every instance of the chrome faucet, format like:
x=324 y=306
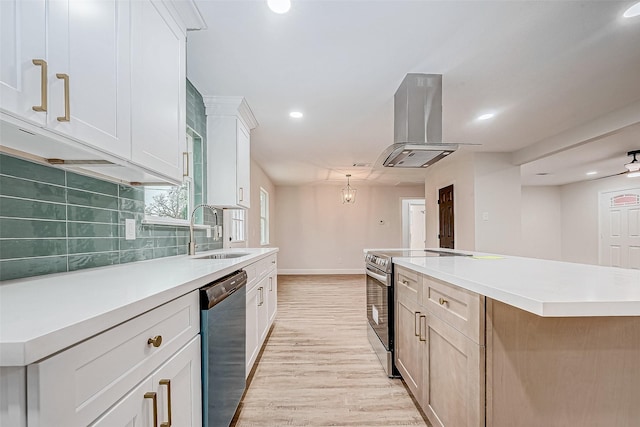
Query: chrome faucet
x=192 y=240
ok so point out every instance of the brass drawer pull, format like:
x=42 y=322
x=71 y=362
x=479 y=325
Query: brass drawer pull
x=425 y=328
x=155 y=341
x=154 y=397
x=443 y=301
x=168 y=384
x=43 y=85
x=185 y=163
x=416 y=330
x=67 y=114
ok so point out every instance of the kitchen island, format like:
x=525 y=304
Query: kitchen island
x=489 y=340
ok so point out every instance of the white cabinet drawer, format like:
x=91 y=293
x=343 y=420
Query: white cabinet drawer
x=96 y=373
x=462 y=309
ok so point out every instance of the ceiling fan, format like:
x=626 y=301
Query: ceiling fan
x=632 y=168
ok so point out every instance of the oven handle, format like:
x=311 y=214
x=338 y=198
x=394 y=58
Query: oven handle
x=379 y=277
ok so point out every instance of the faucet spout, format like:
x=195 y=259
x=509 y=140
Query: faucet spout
x=192 y=239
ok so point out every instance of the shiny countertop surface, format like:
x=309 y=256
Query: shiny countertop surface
x=542 y=287
x=42 y=315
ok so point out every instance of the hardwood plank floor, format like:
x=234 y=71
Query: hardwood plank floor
x=318 y=368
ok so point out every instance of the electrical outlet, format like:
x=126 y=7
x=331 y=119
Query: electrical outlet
x=208 y=232
x=485 y=216
x=130 y=229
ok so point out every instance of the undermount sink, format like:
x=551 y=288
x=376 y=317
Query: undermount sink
x=224 y=256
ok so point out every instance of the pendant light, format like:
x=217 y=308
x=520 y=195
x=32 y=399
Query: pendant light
x=348 y=192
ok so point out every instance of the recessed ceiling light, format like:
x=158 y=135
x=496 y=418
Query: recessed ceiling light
x=592 y=173
x=295 y=114
x=279 y=6
x=486 y=116
x=632 y=11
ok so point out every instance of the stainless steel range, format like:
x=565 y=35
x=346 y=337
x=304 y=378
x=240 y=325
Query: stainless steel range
x=381 y=300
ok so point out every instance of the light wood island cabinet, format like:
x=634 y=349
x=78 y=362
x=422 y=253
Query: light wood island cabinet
x=473 y=361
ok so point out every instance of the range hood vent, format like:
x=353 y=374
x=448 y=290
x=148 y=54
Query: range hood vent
x=417 y=124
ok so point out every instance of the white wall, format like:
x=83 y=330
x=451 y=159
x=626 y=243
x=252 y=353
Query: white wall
x=497 y=204
x=260 y=179
x=459 y=170
x=542 y=222
x=580 y=235
x=317 y=234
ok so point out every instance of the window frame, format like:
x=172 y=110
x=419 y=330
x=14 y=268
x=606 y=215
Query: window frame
x=264 y=217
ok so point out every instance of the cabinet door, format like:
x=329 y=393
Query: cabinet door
x=243 y=166
x=22 y=35
x=133 y=410
x=409 y=347
x=177 y=385
x=272 y=297
x=89 y=42
x=454 y=391
x=253 y=300
x=158 y=89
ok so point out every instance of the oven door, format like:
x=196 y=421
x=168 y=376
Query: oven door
x=378 y=297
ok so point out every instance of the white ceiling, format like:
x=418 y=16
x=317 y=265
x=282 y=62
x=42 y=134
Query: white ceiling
x=563 y=78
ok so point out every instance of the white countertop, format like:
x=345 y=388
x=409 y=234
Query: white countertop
x=545 y=288
x=42 y=315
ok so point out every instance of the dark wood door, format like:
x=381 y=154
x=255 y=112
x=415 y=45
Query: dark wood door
x=445 y=204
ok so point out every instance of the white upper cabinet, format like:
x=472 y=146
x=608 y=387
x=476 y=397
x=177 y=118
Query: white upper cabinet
x=97 y=81
x=22 y=37
x=158 y=89
x=229 y=122
x=66 y=67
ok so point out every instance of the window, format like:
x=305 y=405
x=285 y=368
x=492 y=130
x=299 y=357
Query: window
x=264 y=217
x=173 y=204
x=237 y=225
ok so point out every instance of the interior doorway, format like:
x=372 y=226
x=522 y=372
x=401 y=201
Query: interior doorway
x=620 y=228
x=413 y=224
x=446 y=233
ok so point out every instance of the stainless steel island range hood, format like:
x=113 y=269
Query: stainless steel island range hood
x=417 y=124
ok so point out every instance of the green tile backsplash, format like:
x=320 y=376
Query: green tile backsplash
x=53 y=221
x=50 y=228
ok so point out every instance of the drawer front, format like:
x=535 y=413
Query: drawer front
x=408 y=284
x=462 y=309
x=77 y=385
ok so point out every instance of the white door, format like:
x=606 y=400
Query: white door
x=413 y=223
x=253 y=299
x=22 y=33
x=620 y=228
x=134 y=410
x=90 y=73
x=243 y=171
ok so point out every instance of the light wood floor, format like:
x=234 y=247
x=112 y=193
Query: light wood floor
x=317 y=368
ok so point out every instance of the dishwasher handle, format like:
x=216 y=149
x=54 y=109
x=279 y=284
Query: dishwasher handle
x=216 y=292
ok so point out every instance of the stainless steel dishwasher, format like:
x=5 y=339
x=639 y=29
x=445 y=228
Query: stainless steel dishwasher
x=223 y=329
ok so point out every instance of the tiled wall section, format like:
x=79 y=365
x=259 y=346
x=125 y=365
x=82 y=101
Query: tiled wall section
x=197 y=120
x=53 y=221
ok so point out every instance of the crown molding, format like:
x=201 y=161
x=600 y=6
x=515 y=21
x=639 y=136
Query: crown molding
x=235 y=106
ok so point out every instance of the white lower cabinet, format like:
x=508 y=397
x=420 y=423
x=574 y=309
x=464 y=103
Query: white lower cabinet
x=171 y=396
x=262 y=302
x=159 y=349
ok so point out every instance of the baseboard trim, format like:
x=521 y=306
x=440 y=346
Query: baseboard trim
x=296 y=271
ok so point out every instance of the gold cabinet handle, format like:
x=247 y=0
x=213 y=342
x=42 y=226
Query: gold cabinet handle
x=416 y=331
x=154 y=397
x=155 y=341
x=443 y=301
x=241 y=194
x=425 y=327
x=43 y=85
x=270 y=284
x=185 y=163
x=67 y=114
x=405 y=282
x=168 y=384
x=260 y=296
